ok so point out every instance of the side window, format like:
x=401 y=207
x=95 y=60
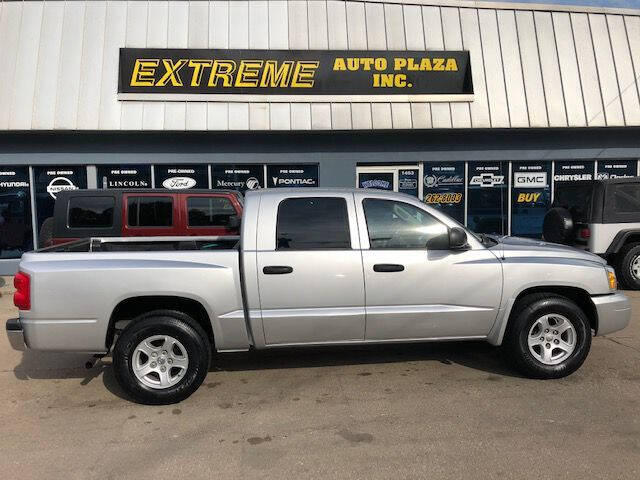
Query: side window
x=149 y=211
x=91 y=212
x=209 y=211
x=398 y=225
x=312 y=223
x=627 y=198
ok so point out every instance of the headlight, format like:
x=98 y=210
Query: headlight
x=611 y=279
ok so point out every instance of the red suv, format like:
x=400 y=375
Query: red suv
x=130 y=213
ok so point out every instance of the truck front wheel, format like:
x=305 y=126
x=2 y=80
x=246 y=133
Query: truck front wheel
x=548 y=336
x=161 y=358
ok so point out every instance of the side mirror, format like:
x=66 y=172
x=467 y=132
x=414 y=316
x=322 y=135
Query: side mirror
x=234 y=221
x=457 y=239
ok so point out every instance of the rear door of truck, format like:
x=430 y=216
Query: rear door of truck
x=309 y=268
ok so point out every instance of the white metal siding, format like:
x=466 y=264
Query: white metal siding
x=531 y=68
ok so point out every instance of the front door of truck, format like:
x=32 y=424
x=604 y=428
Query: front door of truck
x=415 y=287
x=310 y=276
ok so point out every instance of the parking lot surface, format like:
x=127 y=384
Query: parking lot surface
x=404 y=411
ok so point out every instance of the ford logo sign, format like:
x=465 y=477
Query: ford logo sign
x=179 y=183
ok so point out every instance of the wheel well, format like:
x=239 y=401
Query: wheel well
x=579 y=296
x=133 y=307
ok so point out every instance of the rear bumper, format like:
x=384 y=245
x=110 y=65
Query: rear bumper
x=614 y=312
x=16 y=334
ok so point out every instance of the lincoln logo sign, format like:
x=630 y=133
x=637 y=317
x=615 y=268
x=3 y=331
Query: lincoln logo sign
x=294 y=75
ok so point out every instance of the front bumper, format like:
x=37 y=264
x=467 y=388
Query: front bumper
x=16 y=334
x=614 y=312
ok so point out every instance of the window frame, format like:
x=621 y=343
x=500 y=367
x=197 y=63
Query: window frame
x=315 y=197
x=425 y=212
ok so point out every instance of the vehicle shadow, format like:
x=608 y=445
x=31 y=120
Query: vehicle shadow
x=473 y=355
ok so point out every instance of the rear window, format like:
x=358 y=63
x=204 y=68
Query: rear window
x=209 y=211
x=91 y=212
x=575 y=198
x=626 y=198
x=316 y=223
x=149 y=211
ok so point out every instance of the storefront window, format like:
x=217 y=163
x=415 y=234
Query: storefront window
x=237 y=177
x=616 y=169
x=487 y=209
x=181 y=177
x=124 y=176
x=16 y=235
x=279 y=176
x=572 y=171
x=48 y=182
x=530 y=197
x=443 y=188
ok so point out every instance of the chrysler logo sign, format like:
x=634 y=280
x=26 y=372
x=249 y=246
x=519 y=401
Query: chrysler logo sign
x=486 y=180
x=58 y=185
x=179 y=183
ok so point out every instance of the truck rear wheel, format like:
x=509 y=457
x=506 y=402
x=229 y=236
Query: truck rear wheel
x=161 y=357
x=548 y=336
x=627 y=265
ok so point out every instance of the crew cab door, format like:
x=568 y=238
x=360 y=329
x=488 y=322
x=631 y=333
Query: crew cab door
x=415 y=289
x=310 y=278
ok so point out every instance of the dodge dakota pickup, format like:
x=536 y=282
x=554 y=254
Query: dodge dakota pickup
x=328 y=267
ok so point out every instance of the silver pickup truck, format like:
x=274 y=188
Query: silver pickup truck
x=321 y=267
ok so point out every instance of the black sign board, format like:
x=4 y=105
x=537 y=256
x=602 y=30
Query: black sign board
x=443 y=188
x=49 y=181
x=379 y=180
x=487 y=201
x=15 y=212
x=181 y=177
x=408 y=181
x=279 y=176
x=616 y=169
x=237 y=177
x=531 y=196
x=573 y=171
x=124 y=176
x=295 y=73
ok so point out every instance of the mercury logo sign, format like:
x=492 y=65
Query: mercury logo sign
x=529 y=179
x=292 y=181
x=253 y=183
x=486 y=180
x=179 y=183
x=59 y=184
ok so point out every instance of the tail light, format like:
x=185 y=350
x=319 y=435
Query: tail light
x=22 y=297
x=585 y=233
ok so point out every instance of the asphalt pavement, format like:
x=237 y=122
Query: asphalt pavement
x=430 y=411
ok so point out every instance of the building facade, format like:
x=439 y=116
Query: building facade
x=477 y=108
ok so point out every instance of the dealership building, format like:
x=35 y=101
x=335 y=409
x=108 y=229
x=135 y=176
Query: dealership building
x=477 y=108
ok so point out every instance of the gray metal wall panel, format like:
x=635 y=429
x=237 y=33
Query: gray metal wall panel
x=627 y=78
x=550 y=70
x=114 y=38
x=394 y=22
x=361 y=116
x=401 y=116
x=341 y=116
x=297 y=25
x=337 y=24
x=320 y=116
x=23 y=83
x=460 y=116
x=259 y=116
x=217 y=116
x=317 y=21
x=414 y=32
x=421 y=115
x=175 y=113
x=218 y=113
x=197 y=37
x=531 y=70
x=238 y=116
x=137 y=19
x=632 y=25
x=157 y=37
x=591 y=93
x=493 y=68
x=9 y=36
x=516 y=97
x=471 y=39
x=258 y=24
x=92 y=57
x=434 y=40
x=381 y=116
x=569 y=72
x=606 y=70
x=280 y=116
x=238 y=38
x=373 y=24
x=301 y=116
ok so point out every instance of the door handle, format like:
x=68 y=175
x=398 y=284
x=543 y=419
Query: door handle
x=388 y=267
x=277 y=270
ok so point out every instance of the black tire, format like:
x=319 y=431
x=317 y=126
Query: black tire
x=558 y=226
x=623 y=263
x=45 y=235
x=526 y=312
x=162 y=322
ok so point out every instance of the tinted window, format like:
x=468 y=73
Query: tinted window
x=209 y=211
x=398 y=225
x=626 y=198
x=91 y=212
x=312 y=224
x=575 y=198
x=150 y=211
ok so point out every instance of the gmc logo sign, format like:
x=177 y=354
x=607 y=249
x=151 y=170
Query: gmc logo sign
x=529 y=179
